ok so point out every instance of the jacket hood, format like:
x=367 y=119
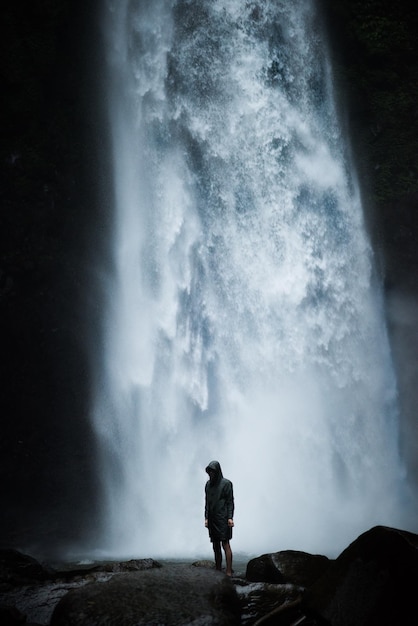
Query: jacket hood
x=216 y=467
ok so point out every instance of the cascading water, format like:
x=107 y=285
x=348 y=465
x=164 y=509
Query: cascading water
x=243 y=322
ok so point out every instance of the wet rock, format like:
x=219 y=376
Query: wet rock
x=372 y=583
x=115 y=567
x=10 y=616
x=134 y=565
x=35 y=596
x=263 y=569
x=287 y=566
x=37 y=601
x=259 y=600
x=174 y=595
x=17 y=568
x=204 y=563
x=71 y=571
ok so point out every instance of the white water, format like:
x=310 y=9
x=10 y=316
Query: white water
x=242 y=322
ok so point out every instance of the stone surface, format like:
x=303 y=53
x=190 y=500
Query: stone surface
x=258 y=600
x=10 y=616
x=171 y=595
x=17 y=568
x=29 y=591
x=287 y=566
x=372 y=583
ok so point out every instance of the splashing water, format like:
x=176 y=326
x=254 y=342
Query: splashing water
x=243 y=322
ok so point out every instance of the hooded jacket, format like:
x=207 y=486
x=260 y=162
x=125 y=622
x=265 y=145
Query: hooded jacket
x=219 y=503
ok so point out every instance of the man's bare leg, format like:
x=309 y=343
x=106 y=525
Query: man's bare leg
x=218 y=554
x=228 y=556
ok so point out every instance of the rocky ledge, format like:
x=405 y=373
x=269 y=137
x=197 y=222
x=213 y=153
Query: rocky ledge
x=372 y=582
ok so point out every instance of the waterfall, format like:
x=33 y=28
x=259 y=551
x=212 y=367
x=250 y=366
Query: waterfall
x=243 y=320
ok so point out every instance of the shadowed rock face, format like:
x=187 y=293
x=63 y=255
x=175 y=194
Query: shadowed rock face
x=18 y=569
x=372 y=583
x=180 y=594
x=30 y=591
x=287 y=566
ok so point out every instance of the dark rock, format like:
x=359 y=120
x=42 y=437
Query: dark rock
x=372 y=583
x=204 y=563
x=10 y=616
x=178 y=594
x=113 y=567
x=260 y=600
x=287 y=566
x=33 y=590
x=263 y=569
x=17 y=568
x=37 y=601
x=134 y=565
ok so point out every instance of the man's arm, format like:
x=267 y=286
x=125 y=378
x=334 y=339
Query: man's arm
x=206 y=508
x=230 y=505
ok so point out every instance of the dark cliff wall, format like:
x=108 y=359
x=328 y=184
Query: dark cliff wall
x=375 y=58
x=48 y=203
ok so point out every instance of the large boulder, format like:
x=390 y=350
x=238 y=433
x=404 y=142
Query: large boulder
x=288 y=566
x=372 y=583
x=17 y=568
x=29 y=591
x=178 y=594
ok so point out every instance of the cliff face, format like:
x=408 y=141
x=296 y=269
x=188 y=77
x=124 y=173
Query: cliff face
x=375 y=60
x=47 y=202
x=375 y=56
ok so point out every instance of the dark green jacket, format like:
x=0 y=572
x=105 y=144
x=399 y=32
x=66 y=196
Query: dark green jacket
x=219 y=504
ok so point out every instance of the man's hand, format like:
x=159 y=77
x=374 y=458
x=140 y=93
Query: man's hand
x=230 y=523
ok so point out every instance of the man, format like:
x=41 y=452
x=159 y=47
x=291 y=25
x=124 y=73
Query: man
x=219 y=514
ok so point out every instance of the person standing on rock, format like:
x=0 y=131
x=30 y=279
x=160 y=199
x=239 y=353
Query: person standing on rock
x=219 y=514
